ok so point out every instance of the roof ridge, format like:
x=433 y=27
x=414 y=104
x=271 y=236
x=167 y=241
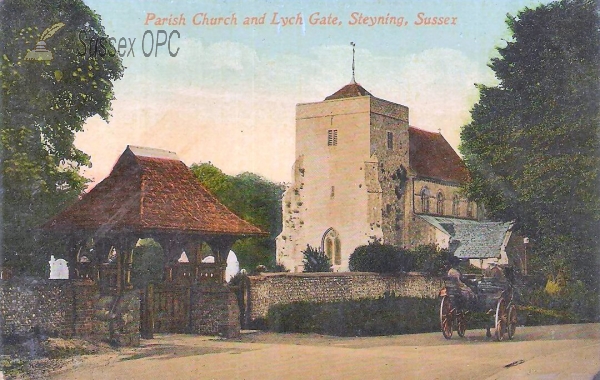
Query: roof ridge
x=423 y=130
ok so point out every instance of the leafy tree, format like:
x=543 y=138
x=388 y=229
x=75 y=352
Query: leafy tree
x=379 y=258
x=254 y=199
x=315 y=260
x=43 y=104
x=430 y=258
x=148 y=261
x=532 y=146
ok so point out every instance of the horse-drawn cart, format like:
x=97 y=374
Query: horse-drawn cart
x=490 y=296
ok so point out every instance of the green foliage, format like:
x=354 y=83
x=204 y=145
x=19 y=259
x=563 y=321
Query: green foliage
x=279 y=268
x=572 y=303
x=315 y=260
x=430 y=259
x=537 y=316
x=385 y=316
x=42 y=105
x=254 y=199
x=148 y=262
x=532 y=146
x=380 y=258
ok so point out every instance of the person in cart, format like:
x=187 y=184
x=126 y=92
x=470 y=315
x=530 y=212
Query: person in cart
x=453 y=272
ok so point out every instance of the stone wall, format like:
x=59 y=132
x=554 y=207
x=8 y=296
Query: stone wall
x=67 y=308
x=267 y=289
x=214 y=311
x=35 y=306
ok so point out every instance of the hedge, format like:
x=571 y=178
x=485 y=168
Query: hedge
x=388 y=315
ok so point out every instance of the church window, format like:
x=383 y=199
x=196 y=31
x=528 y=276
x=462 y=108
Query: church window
x=469 y=209
x=425 y=194
x=332 y=246
x=332 y=136
x=390 y=140
x=329 y=247
x=440 y=203
x=337 y=252
x=455 y=203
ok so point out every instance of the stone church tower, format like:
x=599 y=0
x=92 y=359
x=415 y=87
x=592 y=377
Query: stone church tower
x=363 y=174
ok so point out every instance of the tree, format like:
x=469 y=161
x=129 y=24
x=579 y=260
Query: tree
x=254 y=199
x=532 y=146
x=43 y=104
x=315 y=260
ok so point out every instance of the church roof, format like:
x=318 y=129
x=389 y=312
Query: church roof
x=151 y=190
x=349 y=91
x=471 y=239
x=431 y=156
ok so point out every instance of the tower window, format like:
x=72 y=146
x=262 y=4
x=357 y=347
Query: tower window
x=332 y=136
x=390 y=140
x=332 y=192
x=332 y=246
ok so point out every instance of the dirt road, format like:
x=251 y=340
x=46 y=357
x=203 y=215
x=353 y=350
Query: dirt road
x=549 y=352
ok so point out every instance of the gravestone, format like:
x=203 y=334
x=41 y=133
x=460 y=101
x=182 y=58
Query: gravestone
x=233 y=266
x=59 y=270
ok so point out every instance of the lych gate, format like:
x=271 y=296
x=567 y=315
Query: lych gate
x=150 y=193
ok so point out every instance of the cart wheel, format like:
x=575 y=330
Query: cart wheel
x=512 y=321
x=446 y=317
x=461 y=324
x=500 y=320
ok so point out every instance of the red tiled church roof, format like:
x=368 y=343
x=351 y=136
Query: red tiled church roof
x=151 y=190
x=349 y=91
x=431 y=156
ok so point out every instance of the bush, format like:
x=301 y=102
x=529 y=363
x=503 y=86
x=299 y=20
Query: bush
x=315 y=260
x=430 y=259
x=278 y=268
x=385 y=316
x=536 y=316
x=573 y=302
x=379 y=258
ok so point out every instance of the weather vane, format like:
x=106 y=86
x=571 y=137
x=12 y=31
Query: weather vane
x=353 y=45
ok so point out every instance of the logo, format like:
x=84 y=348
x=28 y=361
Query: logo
x=41 y=53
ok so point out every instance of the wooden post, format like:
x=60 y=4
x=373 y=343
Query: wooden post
x=148 y=313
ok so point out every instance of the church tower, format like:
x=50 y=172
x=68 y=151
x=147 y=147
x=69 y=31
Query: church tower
x=350 y=177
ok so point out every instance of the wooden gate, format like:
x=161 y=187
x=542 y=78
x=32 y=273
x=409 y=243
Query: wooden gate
x=165 y=308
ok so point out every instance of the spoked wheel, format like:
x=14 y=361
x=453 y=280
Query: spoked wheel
x=446 y=317
x=512 y=321
x=501 y=319
x=461 y=324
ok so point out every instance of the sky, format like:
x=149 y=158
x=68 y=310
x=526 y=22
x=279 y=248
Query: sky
x=228 y=95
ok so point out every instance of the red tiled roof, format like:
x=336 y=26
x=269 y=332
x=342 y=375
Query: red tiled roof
x=349 y=91
x=432 y=157
x=151 y=193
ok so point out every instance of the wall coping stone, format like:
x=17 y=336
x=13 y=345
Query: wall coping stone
x=339 y=274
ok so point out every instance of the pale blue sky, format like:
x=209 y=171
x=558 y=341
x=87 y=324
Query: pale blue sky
x=229 y=96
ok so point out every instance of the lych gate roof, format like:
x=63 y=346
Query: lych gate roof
x=471 y=239
x=431 y=156
x=151 y=190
